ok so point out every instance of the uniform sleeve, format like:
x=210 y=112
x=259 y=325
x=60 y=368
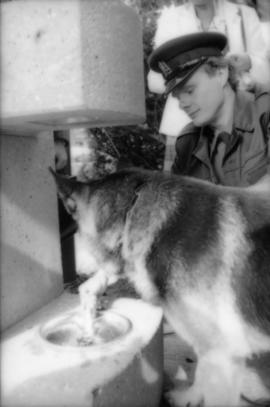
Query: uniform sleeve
x=265 y=123
x=184 y=147
x=176 y=166
x=268 y=135
x=263 y=109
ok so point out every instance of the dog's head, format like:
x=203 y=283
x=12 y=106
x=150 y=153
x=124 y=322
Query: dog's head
x=69 y=190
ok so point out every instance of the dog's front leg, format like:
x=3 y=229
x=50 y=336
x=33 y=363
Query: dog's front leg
x=89 y=292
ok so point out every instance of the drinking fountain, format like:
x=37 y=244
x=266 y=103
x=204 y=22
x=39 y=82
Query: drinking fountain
x=64 y=65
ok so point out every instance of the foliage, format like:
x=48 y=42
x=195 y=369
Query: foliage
x=140 y=145
x=131 y=146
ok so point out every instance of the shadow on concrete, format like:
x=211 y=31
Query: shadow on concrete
x=26 y=285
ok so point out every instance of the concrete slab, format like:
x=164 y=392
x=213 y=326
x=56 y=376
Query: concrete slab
x=70 y=63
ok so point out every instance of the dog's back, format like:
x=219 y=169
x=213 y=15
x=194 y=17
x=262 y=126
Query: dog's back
x=203 y=252
x=200 y=251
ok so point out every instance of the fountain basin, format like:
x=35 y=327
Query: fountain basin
x=42 y=364
x=69 y=331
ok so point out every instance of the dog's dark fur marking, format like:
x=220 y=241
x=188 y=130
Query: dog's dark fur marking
x=253 y=294
x=114 y=207
x=178 y=236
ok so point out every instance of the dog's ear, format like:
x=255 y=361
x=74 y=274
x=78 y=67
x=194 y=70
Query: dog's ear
x=66 y=186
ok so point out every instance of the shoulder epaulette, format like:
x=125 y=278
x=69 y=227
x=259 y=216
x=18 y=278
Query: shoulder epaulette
x=262 y=100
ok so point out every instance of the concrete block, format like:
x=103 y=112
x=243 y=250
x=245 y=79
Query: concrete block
x=31 y=271
x=70 y=63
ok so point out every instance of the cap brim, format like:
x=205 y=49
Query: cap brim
x=180 y=81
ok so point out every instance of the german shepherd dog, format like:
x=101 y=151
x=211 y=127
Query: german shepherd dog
x=200 y=251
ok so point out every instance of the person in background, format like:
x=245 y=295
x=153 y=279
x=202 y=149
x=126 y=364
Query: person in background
x=228 y=139
x=262 y=8
x=246 y=47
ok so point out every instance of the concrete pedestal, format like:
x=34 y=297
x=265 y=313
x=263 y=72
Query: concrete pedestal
x=31 y=272
x=124 y=373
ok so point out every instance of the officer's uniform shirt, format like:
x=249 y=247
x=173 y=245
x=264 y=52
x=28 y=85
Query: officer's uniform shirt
x=238 y=157
x=241 y=157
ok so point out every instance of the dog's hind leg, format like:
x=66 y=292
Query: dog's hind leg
x=217 y=383
x=220 y=381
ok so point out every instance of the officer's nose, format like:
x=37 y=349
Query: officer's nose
x=183 y=101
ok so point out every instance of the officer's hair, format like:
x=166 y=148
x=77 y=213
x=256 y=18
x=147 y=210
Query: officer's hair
x=213 y=63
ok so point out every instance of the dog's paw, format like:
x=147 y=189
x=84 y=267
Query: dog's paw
x=217 y=383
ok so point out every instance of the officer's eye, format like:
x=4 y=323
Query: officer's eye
x=189 y=91
x=175 y=93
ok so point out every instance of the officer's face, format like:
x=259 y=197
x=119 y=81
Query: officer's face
x=202 y=97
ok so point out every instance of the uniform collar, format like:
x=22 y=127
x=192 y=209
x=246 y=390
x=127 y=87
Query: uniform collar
x=242 y=124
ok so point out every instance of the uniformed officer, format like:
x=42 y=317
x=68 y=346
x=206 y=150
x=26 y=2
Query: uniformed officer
x=228 y=140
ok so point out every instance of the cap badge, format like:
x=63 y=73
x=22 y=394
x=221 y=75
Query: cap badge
x=165 y=69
